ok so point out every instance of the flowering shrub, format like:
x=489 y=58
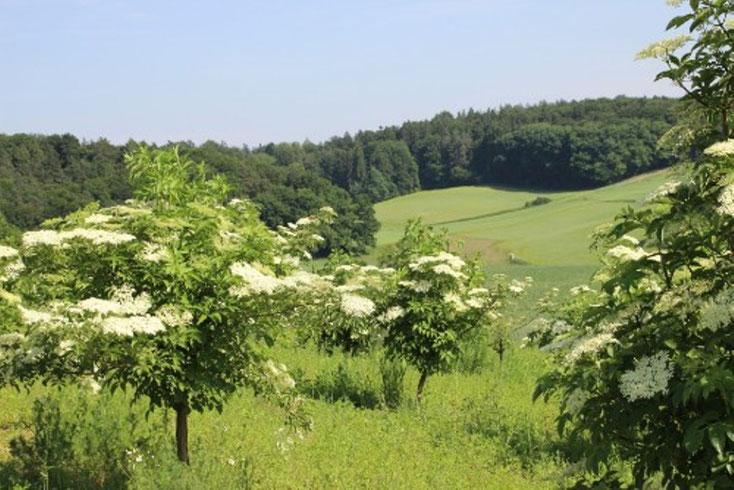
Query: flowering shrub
x=649 y=374
x=439 y=300
x=173 y=294
x=645 y=368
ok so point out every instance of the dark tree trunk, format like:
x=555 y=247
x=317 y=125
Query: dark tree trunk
x=182 y=433
x=421 y=384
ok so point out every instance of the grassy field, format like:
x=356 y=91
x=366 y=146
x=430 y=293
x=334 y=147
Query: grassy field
x=495 y=223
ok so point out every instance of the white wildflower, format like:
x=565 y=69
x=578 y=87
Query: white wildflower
x=392 y=314
x=304 y=222
x=33 y=317
x=590 y=345
x=357 y=306
x=623 y=253
x=422 y=287
x=255 y=280
x=664 y=190
x=7 y=252
x=97 y=219
x=516 y=287
x=128 y=326
x=478 y=291
x=317 y=238
x=153 y=252
x=721 y=149
x=328 y=210
x=13 y=338
x=663 y=49
x=455 y=300
x=629 y=239
x=41 y=237
x=649 y=377
x=65 y=346
x=575 y=291
x=447 y=270
x=235 y=202
x=174 y=316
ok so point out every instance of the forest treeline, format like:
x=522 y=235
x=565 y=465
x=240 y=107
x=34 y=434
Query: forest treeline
x=563 y=145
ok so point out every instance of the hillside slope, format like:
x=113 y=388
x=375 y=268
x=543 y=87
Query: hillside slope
x=496 y=223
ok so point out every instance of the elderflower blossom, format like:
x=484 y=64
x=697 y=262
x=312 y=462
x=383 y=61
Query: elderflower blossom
x=720 y=149
x=255 y=280
x=328 y=210
x=7 y=252
x=11 y=271
x=516 y=287
x=590 y=345
x=357 y=306
x=663 y=49
x=128 y=326
x=575 y=291
x=649 y=377
x=33 y=317
x=726 y=200
x=12 y=338
x=304 y=221
x=664 y=190
x=173 y=316
x=392 y=314
x=55 y=238
x=623 y=253
x=455 y=300
x=447 y=270
x=317 y=238
x=153 y=252
x=97 y=219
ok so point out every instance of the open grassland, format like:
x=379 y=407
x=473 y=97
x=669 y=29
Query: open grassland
x=473 y=430
x=495 y=222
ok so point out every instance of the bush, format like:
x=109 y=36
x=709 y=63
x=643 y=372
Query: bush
x=538 y=201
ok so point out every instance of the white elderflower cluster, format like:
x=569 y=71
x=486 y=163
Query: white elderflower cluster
x=455 y=301
x=664 y=190
x=153 y=252
x=34 y=317
x=55 y=238
x=11 y=339
x=128 y=326
x=721 y=149
x=7 y=252
x=356 y=306
x=328 y=210
x=11 y=271
x=622 y=253
x=663 y=49
x=719 y=312
x=123 y=301
x=575 y=291
x=97 y=219
x=447 y=270
x=392 y=314
x=255 y=281
x=279 y=374
x=649 y=377
x=726 y=201
x=174 y=316
x=590 y=345
x=454 y=262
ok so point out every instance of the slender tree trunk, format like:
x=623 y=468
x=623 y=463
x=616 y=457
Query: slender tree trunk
x=182 y=433
x=421 y=384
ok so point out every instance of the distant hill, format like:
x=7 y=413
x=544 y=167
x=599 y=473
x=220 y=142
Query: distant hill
x=496 y=222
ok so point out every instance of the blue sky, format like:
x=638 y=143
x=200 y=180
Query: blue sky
x=258 y=71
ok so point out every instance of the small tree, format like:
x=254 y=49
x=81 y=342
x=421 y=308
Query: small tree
x=440 y=299
x=173 y=295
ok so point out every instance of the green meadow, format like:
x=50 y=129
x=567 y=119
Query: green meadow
x=476 y=428
x=495 y=222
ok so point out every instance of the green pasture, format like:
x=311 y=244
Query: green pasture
x=495 y=222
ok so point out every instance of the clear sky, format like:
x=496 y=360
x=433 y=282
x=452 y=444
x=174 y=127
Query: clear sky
x=259 y=71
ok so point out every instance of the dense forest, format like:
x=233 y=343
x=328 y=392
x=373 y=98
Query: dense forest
x=563 y=145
